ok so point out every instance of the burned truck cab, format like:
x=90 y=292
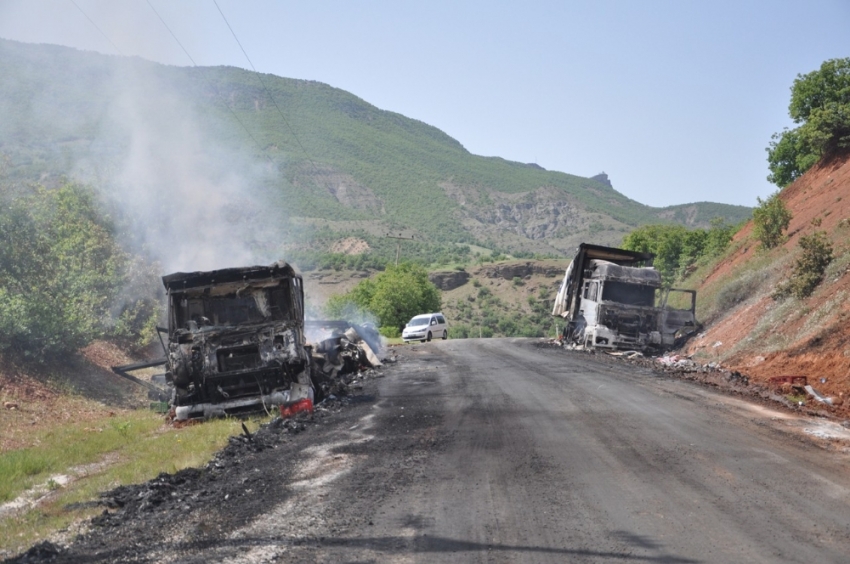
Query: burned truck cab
x=614 y=299
x=236 y=340
x=618 y=306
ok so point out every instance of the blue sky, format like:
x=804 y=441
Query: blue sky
x=675 y=100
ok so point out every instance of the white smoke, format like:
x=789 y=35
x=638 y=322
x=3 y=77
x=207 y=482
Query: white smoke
x=196 y=202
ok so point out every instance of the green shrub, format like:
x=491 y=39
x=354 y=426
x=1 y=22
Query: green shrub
x=770 y=220
x=820 y=104
x=390 y=332
x=809 y=267
x=459 y=331
x=676 y=248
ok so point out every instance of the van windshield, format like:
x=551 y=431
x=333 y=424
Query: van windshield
x=416 y=321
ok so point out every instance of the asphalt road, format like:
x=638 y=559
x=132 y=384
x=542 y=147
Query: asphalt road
x=516 y=453
x=500 y=450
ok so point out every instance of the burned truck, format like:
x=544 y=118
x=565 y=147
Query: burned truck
x=614 y=299
x=236 y=340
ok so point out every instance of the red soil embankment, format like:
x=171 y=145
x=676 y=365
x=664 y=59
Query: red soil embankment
x=763 y=337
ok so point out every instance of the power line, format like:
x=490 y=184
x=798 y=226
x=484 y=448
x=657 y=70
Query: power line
x=194 y=64
x=268 y=92
x=97 y=28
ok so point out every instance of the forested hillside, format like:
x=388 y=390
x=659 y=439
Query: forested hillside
x=326 y=162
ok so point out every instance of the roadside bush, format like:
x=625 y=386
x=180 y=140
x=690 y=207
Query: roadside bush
x=676 y=248
x=770 y=220
x=459 y=331
x=390 y=332
x=393 y=296
x=816 y=254
x=61 y=272
x=820 y=104
x=139 y=305
x=527 y=330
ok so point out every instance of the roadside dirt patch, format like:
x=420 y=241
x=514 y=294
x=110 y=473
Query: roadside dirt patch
x=105 y=355
x=40 y=409
x=82 y=388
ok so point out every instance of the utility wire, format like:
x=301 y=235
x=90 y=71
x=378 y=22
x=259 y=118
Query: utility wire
x=114 y=46
x=97 y=28
x=268 y=92
x=194 y=64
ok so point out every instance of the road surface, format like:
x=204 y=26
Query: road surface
x=502 y=450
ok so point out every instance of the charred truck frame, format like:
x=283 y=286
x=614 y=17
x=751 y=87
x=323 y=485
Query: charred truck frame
x=613 y=298
x=235 y=342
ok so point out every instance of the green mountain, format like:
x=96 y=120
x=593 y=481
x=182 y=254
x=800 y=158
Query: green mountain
x=308 y=156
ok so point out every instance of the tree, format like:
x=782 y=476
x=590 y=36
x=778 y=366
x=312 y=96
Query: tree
x=820 y=103
x=61 y=271
x=770 y=220
x=664 y=241
x=393 y=297
x=677 y=248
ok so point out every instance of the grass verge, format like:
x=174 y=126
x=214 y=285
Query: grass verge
x=70 y=465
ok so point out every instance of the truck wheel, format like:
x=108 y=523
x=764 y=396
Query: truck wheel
x=428 y=338
x=445 y=334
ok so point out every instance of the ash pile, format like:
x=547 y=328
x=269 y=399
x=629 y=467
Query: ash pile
x=340 y=349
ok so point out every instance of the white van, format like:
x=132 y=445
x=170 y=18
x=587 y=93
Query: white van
x=425 y=327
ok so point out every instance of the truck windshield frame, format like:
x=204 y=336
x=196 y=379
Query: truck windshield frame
x=628 y=294
x=260 y=305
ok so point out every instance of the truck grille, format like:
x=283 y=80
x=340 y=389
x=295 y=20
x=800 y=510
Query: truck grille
x=238 y=358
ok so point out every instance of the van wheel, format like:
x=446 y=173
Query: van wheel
x=428 y=338
x=445 y=335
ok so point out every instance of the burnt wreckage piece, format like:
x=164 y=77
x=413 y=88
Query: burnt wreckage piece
x=341 y=347
x=236 y=340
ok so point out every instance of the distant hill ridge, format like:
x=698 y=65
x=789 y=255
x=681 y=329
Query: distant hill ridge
x=335 y=160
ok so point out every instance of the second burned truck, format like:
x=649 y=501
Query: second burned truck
x=614 y=299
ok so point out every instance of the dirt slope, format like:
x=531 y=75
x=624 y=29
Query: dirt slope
x=764 y=337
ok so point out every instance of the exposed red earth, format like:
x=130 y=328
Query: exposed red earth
x=811 y=338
